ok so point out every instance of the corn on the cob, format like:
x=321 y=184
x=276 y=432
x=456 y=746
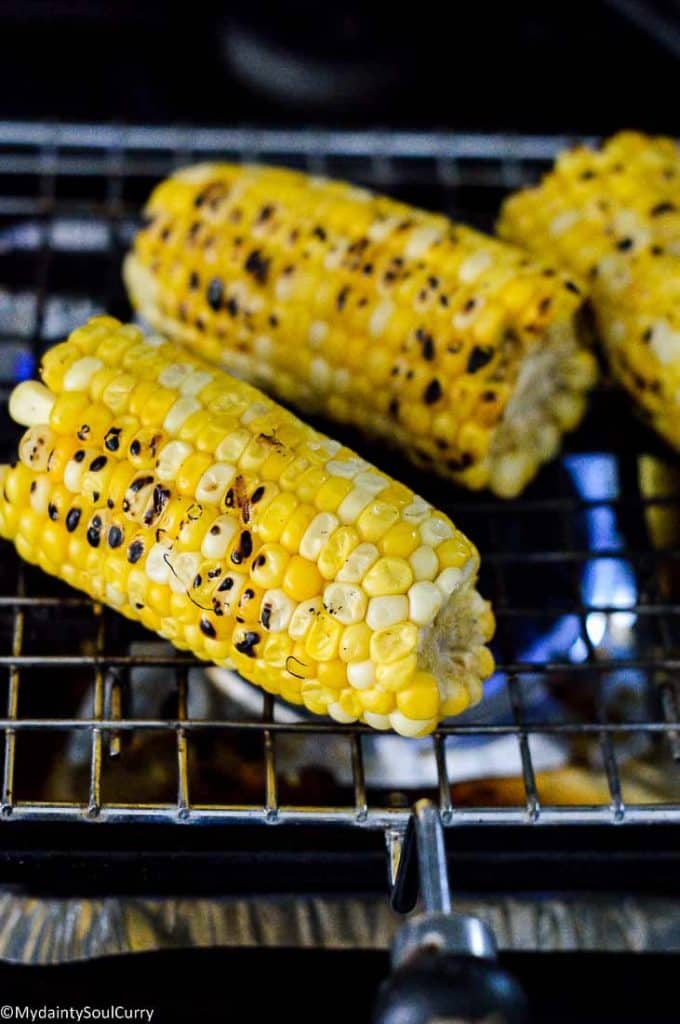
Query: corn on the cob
x=613 y=216
x=189 y=501
x=455 y=346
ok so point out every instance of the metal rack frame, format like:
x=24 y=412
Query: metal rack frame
x=98 y=175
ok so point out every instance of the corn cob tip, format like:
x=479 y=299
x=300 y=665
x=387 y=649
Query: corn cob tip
x=193 y=504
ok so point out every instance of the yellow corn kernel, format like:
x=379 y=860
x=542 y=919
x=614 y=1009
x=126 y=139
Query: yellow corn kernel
x=301 y=579
x=376 y=519
x=296 y=527
x=68 y=410
x=355 y=642
x=269 y=565
x=337 y=550
x=455 y=552
x=397 y=675
x=378 y=702
x=401 y=540
x=270 y=522
x=388 y=576
x=331 y=494
x=456 y=701
x=420 y=700
x=96 y=420
x=321 y=642
x=276 y=649
x=333 y=674
x=191 y=471
x=395 y=642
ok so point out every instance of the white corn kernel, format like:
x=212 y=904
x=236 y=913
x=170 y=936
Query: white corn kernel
x=170 y=458
x=345 y=602
x=371 y=482
x=448 y=580
x=30 y=403
x=417 y=510
x=318 y=330
x=74 y=470
x=39 y=496
x=380 y=317
x=424 y=563
x=254 y=410
x=434 y=530
x=157 y=567
x=195 y=382
x=347 y=468
x=183 y=573
x=173 y=375
x=35 y=447
x=473 y=266
x=354 y=503
x=212 y=486
x=316 y=535
x=411 y=727
x=420 y=240
x=232 y=447
x=358 y=563
x=179 y=413
x=338 y=713
x=361 y=674
x=276 y=610
x=219 y=537
x=302 y=618
x=424 y=601
x=79 y=374
x=386 y=611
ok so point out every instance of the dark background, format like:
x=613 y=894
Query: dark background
x=577 y=66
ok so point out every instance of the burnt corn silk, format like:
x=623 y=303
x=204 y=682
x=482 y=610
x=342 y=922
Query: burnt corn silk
x=457 y=347
x=192 y=503
x=613 y=216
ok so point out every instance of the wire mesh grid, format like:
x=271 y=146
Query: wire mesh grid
x=582 y=570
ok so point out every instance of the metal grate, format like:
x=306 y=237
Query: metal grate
x=582 y=570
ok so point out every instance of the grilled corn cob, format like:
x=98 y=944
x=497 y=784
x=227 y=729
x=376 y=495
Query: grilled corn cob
x=456 y=346
x=613 y=216
x=192 y=503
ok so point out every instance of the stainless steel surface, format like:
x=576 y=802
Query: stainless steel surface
x=73 y=192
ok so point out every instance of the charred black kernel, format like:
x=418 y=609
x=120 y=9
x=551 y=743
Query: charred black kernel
x=126 y=505
x=341 y=298
x=265 y=213
x=409 y=375
x=194 y=512
x=433 y=282
x=443 y=300
x=587 y=175
x=479 y=357
x=545 y=304
x=260 y=560
x=571 y=287
x=257 y=495
x=657 y=250
x=98 y=463
x=109 y=502
x=115 y=537
x=34 y=484
x=194 y=281
x=245 y=646
x=226 y=584
x=215 y=293
x=229 y=498
x=266 y=616
x=273 y=320
x=426 y=343
x=624 y=244
x=647 y=335
x=96 y=496
x=393 y=408
x=52 y=512
x=159 y=499
x=193 y=231
x=368 y=268
x=215 y=530
x=214 y=573
x=135 y=448
x=139 y=483
x=320 y=233
x=138 y=605
x=549 y=272
x=258 y=266
x=198 y=579
x=232 y=307
x=79 y=455
x=488 y=396
x=395 y=371
x=207 y=627
x=135 y=551
x=83 y=432
x=462 y=462
x=94 y=532
x=247 y=595
x=433 y=392
x=661 y=208
x=153 y=443
x=111 y=439
x=217 y=610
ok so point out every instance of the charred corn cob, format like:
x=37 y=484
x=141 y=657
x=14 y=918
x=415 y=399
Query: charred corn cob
x=456 y=346
x=613 y=216
x=190 y=502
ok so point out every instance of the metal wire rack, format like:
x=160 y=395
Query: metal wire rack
x=582 y=570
